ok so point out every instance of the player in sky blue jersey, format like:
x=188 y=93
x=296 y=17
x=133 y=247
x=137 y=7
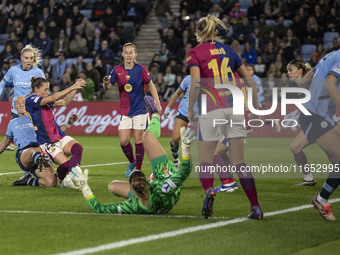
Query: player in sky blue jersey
x=29 y=156
x=50 y=136
x=319 y=127
x=130 y=78
x=298 y=72
x=181 y=119
x=20 y=75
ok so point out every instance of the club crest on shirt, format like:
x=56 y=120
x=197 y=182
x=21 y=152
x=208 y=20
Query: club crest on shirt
x=127 y=77
x=128 y=87
x=166 y=172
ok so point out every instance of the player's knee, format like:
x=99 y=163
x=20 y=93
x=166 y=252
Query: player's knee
x=175 y=140
x=146 y=136
x=112 y=186
x=294 y=148
x=76 y=149
x=236 y=162
x=124 y=142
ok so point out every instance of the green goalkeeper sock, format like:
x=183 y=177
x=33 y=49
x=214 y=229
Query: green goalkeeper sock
x=155 y=126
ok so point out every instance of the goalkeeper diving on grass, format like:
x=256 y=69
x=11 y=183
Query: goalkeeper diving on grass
x=156 y=196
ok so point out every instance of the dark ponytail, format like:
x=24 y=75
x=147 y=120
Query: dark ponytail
x=37 y=82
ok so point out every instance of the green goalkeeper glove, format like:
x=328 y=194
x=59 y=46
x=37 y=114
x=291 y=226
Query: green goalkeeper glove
x=187 y=136
x=79 y=180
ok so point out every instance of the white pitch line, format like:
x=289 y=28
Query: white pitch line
x=102 y=214
x=108 y=164
x=11 y=173
x=124 y=243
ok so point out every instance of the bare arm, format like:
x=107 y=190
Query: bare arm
x=4 y=144
x=154 y=94
x=307 y=80
x=330 y=86
x=174 y=97
x=67 y=100
x=59 y=95
x=194 y=91
x=2 y=85
x=172 y=101
x=70 y=122
x=243 y=72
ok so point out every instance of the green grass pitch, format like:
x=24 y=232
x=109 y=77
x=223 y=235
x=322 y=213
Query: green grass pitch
x=31 y=221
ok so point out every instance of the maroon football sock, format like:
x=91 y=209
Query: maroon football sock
x=206 y=176
x=301 y=160
x=248 y=184
x=128 y=151
x=77 y=152
x=221 y=169
x=139 y=155
x=332 y=159
x=62 y=171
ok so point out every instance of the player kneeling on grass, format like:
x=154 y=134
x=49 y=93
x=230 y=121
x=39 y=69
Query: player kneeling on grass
x=155 y=197
x=29 y=156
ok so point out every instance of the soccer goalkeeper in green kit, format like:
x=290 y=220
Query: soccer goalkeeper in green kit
x=155 y=197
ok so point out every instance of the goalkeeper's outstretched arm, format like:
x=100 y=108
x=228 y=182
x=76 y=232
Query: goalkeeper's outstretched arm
x=79 y=181
x=187 y=136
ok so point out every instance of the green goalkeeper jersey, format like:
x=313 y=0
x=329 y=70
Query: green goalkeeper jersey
x=164 y=191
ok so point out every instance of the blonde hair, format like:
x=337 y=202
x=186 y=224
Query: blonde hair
x=300 y=64
x=36 y=53
x=207 y=28
x=130 y=44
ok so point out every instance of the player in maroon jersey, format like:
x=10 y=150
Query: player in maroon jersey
x=130 y=78
x=211 y=63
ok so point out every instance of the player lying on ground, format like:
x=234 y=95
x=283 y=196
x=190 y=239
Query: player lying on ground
x=29 y=156
x=155 y=197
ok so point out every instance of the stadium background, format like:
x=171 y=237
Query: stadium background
x=39 y=221
x=85 y=37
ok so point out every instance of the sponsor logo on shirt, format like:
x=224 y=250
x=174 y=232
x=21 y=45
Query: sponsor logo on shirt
x=128 y=87
x=165 y=188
